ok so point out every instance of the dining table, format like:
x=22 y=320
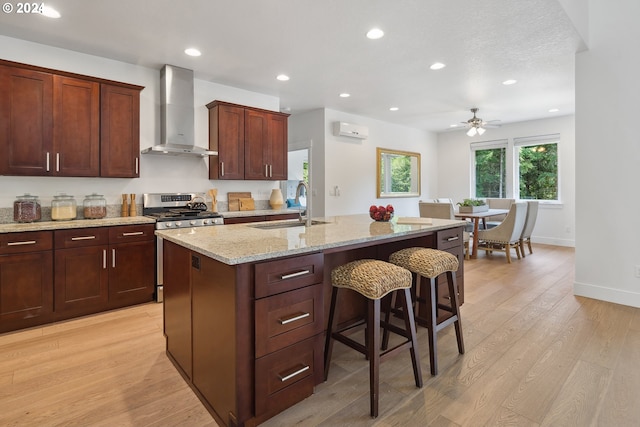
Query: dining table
x=476 y=217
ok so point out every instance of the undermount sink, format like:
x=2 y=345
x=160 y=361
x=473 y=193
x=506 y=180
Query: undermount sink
x=285 y=225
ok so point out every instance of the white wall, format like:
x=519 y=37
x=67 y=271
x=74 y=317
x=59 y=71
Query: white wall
x=607 y=172
x=157 y=173
x=556 y=222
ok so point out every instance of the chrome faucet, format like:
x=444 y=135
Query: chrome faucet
x=307 y=218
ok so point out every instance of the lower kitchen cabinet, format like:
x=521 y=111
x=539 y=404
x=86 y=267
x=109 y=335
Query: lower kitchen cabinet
x=26 y=280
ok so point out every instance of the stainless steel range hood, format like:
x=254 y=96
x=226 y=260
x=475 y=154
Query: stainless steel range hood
x=177 y=115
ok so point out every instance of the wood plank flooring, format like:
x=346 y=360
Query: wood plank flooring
x=535 y=356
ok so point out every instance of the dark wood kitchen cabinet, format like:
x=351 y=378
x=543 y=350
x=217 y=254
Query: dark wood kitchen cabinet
x=96 y=269
x=251 y=143
x=54 y=123
x=26 y=279
x=119 y=132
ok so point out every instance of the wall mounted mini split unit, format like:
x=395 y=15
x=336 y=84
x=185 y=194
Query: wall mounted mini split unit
x=351 y=130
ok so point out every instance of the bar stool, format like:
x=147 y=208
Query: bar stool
x=431 y=263
x=373 y=279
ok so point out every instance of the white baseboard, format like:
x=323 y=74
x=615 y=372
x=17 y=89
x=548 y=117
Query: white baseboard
x=607 y=294
x=554 y=241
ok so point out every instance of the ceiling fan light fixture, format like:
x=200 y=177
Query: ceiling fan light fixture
x=472 y=132
x=481 y=131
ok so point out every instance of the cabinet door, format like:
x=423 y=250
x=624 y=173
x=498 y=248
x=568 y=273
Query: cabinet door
x=131 y=273
x=80 y=281
x=119 y=132
x=26 y=290
x=256 y=145
x=177 y=303
x=26 y=121
x=278 y=147
x=76 y=136
x=226 y=136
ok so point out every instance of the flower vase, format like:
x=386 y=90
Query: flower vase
x=276 y=200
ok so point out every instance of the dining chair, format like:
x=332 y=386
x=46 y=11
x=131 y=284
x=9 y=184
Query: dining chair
x=443 y=211
x=529 y=223
x=505 y=235
x=497 y=203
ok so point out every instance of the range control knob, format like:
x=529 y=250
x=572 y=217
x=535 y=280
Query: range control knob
x=168 y=224
x=205 y=221
x=193 y=222
x=178 y=224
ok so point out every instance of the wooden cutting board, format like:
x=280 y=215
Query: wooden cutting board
x=234 y=199
x=247 y=204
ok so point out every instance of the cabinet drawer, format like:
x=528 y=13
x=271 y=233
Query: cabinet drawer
x=29 y=241
x=284 y=319
x=81 y=237
x=288 y=376
x=449 y=238
x=283 y=275
x=131 y=233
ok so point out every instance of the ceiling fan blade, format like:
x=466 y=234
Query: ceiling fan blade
x=491 y=125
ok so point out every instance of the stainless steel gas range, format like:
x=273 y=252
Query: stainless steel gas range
x=176 y=210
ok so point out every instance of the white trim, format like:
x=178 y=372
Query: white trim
x=614 y=295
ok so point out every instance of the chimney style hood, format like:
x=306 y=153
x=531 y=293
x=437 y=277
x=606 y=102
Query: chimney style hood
x=177 y=115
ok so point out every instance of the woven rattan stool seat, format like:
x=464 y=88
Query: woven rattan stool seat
x=371 y=278
x=424 y=261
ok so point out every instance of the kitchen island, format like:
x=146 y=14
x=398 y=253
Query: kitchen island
x=245 y=305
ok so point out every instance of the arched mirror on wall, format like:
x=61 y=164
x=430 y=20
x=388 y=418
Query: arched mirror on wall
x=397 y=173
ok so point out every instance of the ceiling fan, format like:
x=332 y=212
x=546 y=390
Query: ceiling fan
x=477 y=126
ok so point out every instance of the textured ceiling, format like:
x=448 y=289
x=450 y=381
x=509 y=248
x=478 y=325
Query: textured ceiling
x=321 y=45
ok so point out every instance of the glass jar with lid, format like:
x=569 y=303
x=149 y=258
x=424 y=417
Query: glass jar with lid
x=63 y=207
x=27 y=208
x=94 y=206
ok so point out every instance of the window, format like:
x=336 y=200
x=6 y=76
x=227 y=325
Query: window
x=490 y=168
x=398 y=173
x=537 y=167
x=522 y=168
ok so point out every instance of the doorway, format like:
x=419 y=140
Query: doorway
x=299 y=169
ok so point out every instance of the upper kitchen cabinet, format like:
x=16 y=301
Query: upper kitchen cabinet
x=26 y=121
x=226 y=136
x=54 y=123
x=119 y=132
x=251 y=143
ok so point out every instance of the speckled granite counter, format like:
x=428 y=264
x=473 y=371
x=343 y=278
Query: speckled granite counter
x=261 y=212
x=76 y=223
x=243 y=243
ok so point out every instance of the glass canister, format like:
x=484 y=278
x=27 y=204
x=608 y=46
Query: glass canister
x=94 y=206
x=27 y=208
x=63 y=207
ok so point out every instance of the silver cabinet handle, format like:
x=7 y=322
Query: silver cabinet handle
x=294 y=318
x=266 y=171
x=113 y=258
x=298 y=372
x=221 y=168
x=104 y=259
x=83 y=238
x=137 y=166
x=25 y=242
x=270 y=171
x=453 y=239
x=133 y=233
x=47 y=161
x=57 y=162
x=296 y=274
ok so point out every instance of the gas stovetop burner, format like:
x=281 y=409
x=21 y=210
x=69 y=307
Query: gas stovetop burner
x=176 y=210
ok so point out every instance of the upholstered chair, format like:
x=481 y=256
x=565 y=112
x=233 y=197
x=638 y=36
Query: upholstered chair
x=529 y=223
x=507 y=234
x=443 y=211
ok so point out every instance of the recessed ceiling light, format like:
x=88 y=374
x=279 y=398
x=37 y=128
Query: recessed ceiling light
x=393 y=109
x=375 y=33
x=554 y=110
x=509 y=82
x=282 y=77
x=437 y=66
x=50 y=12
x=345 y=95
x=192 y=51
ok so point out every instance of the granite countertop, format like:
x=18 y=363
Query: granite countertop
x=242 y=243
x=75 y=223
x=260 y=212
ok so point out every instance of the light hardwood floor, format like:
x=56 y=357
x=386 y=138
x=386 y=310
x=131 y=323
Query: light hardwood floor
x=535 y=356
